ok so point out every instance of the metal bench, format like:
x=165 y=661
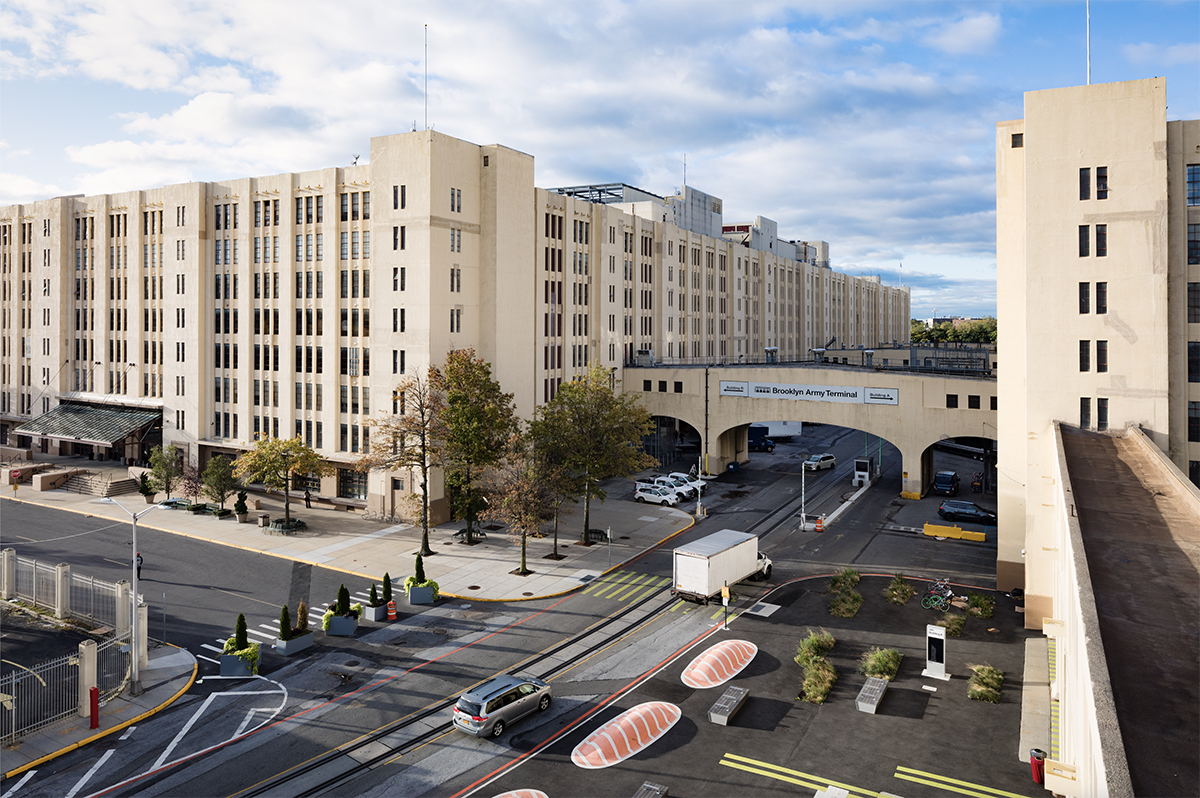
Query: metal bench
x=728 y=705
x=651 y=790
x=871 y=694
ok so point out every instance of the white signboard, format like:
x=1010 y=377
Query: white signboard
x=811 y=393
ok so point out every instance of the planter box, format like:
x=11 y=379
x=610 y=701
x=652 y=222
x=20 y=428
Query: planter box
x=375 y=613
x=420 y=595
x=241 y=517
x=293 y=646
x=342 y=627
x=232 y=665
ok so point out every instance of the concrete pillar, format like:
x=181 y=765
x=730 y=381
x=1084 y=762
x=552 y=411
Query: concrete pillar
x=122 y=598
x=62 y=590
x=8 y=574
x=87 y=675
x=917 y=472
x=143 y=637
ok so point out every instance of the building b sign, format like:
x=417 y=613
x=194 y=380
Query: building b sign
x=811 y=393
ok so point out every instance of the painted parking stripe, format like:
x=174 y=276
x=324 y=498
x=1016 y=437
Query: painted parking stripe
x=211 y=648
x=791 y=776
x=678 y=603
x=605 y=582
x=263 y=635
x=947 y=783
x=645 y=588
x=619 y=584
x=208 y=659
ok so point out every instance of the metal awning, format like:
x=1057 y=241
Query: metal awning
x=99 y=426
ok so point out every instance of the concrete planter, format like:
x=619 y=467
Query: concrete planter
x=150 y=498
x=375 y=613
x=293 y=646
x=342 y=627
x=232 y=665
x=241 y=517
x=421 y=594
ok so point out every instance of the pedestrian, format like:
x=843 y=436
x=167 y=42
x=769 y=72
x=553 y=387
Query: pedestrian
x=307 y=500
x=138 y=561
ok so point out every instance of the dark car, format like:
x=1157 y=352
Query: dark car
x=946 y=483
x=966 y=511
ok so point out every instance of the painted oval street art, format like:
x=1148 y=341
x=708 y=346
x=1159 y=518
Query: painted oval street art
x=626 y=735
x=522 y=794
x=719 y=664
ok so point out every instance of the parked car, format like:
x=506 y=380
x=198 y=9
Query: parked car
x=660 y=496
x=486 y=710
x=953 y=510
x=946 y=483
x=695 y=482
x=820 y=462
x=681 y=486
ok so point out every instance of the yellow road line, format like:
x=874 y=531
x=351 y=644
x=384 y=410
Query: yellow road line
x=678 y=603
x=616 y=588
x=606 y=581
x=635 y=586
x=817 y=783
x=646 y=589
x=977 y=790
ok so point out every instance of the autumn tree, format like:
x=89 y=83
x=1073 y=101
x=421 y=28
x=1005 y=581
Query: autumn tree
x=219 y=480
x=408 y=439
x=521 y=496
x=599 y=432
x=191 y=481
x=477 y=421
x=273 y=461
x=165 y=470
x=555 y=467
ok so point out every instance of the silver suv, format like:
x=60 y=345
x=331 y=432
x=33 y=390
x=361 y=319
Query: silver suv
x=486 y=710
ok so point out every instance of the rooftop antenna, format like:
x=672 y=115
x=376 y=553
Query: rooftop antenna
x=1088 y=5
x=901 y=274
x=685 y=169
x=355 y=161
x=427 y=76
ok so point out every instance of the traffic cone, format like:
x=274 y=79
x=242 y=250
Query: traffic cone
x=391 y=610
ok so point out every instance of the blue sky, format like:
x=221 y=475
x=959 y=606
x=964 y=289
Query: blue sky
x=869 y=125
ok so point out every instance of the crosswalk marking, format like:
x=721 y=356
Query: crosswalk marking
x=612 y=592
x=949 y=784
x=605 y=582
x=788 y=775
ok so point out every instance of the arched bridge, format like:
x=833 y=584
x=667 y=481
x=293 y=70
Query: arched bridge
x=910 y=410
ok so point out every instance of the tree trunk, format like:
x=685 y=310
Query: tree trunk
x=587 y=514
x=425 y=549
x=287 y=498
x=556 y=532
x=524 y=545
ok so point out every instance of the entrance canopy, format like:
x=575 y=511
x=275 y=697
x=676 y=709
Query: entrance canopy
x=98 y=426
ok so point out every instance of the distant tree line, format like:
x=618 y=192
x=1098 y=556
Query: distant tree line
x=976 y=331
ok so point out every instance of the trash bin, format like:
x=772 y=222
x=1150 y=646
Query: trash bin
x=264 y=520
x=732 y=466
x=1037 y=764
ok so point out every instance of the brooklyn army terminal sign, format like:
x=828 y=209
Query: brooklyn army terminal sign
x=811 y=393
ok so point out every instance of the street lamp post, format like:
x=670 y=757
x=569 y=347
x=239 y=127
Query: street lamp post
x=135 y=680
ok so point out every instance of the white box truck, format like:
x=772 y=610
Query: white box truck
x=703 y=567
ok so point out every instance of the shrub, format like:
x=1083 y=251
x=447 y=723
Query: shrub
x=374 y=596
x=954 y=622
x=881 y=663
x=898 y=591
x=985 y=684
x=239 y=507
x=326 y=618
x=285 y=623
x=844 y=581
x=420 y=570
x=819 y=679
x=387 y=588
x=249 y=653
x=813 y=647
x=845 y=605
x=343 y=601
x=302 y=617
x=980 y=605
x=145 y=487
x=239 y=633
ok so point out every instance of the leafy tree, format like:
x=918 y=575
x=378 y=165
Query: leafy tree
x=409 y=440
x=476 y=424
x=164 y=468
x=599 y=433
x=190 y=480
x=273 y=461
x=219 y=481
x=521 y=497
x=554 y=468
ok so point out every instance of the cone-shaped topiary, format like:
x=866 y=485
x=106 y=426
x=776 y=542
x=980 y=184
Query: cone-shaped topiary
x=374 y=596
x=302 y=617
x=285 y=623
x=239 y=634
x=387 y=588
x=343 y=601
x=420 y=569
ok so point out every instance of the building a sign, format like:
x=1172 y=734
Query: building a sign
x=811 y=393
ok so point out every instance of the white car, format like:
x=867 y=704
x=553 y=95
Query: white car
x=693 y=482
x=681 y=486
x=820 y=462
x=656 y=496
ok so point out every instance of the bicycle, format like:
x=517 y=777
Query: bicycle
x=932 y=601
x=367 y=515
x=940 y=588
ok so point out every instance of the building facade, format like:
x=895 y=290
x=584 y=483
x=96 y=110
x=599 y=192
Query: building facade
x=292 y=304
x=1098 y=261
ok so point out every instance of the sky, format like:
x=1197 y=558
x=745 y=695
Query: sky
x=870 y=125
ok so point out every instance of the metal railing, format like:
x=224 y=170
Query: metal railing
x=93 y=599
x=37 y=583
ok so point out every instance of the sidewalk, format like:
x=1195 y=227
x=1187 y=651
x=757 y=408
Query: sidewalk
x=169 y=675
x=342 y=540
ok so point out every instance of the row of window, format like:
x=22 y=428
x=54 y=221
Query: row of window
x=1085 y=298
x=1085 y=413
x=972 y=401
x=1085 y=236
x=1085 y=356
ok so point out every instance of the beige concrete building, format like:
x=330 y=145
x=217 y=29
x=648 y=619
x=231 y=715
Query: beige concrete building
x=290 y=305
x=1098 y=257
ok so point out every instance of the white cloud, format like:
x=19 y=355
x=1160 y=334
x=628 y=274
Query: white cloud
x=1159 y=55
x=21 y=188
x=968 y=35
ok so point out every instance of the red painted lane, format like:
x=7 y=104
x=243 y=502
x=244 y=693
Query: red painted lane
x=719 y=664
x=626 y=735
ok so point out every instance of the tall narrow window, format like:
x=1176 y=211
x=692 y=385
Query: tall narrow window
x=1085 y=301
x=1085 y=355
x=1102 y=414
x=1085 y=183
x=1085 y=412
x=1193 y=303
x=1101 y=356
x=1101 y=240
x=1084 y=240
x=1102 y=297
x=1101 y=182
